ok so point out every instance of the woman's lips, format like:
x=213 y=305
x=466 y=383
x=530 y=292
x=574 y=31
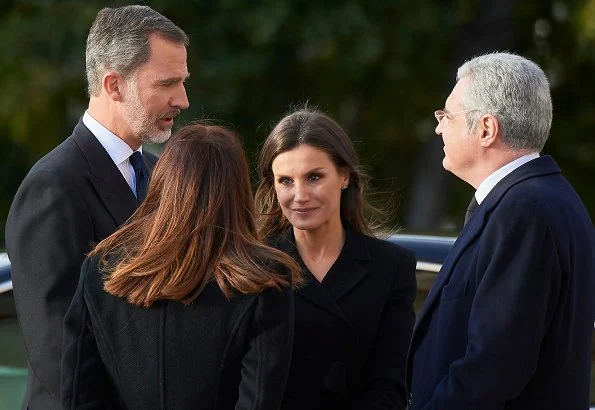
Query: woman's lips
x=303 y=211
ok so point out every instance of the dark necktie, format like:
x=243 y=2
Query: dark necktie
x=472 y=206
x=141 y=175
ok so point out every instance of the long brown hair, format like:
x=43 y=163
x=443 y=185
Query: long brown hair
x=310 y=127
x=195 y=225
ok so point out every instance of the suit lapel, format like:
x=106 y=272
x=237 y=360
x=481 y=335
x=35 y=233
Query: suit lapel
x=541 y=166
x=104 y=175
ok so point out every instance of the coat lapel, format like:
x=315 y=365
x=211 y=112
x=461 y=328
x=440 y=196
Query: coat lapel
x=347 y=271
x=316 y=294
x=467 y=236
x=541 y=166
x=313 y=291
x=105 y=176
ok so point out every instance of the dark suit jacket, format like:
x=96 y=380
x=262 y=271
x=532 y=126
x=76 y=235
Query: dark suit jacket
x=508 y=323
x=72 y=197
x=211 y=354
x=352 y=330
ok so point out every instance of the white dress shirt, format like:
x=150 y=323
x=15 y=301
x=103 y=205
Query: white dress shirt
x=490 y=182
x=117 y=149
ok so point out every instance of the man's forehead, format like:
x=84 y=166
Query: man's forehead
x=457 y=93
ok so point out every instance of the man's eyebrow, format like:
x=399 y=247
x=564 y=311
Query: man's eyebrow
x=172 y=80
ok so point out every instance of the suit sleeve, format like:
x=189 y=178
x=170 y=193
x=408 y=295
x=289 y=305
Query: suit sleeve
x=265 y=366
x=386 y=370
x=48 y=232
x=85 y=383
x=518 y=278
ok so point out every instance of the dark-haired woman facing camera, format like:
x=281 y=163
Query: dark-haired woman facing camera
x=354 y=316
x=182 y=307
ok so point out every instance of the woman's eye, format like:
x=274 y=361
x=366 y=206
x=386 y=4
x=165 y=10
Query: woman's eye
x=314 y=177
x=284 y=181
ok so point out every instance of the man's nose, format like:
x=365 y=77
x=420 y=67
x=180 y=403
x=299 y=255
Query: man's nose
x=180 y=99
x=438 y=128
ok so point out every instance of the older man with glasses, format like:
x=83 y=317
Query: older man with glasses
x=508 y=323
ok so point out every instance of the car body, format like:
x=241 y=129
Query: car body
x=430 y=251
x=7 y=308
x=5 y=279
x=13 y=364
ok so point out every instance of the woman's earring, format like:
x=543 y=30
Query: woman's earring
x=345 y=185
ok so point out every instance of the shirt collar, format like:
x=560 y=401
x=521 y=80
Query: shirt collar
x=490 y=182
x=117 y=149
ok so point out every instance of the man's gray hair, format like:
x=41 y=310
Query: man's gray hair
x=516 y=91
x=119 y=41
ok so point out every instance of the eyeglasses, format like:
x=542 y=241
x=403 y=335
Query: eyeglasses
x=439 y=114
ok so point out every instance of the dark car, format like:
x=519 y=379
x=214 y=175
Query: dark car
x=13 y=365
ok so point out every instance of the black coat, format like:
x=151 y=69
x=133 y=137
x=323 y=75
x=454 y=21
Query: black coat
x=73 y=197
x=353 y=329
x=212 y=354
x=509 y=321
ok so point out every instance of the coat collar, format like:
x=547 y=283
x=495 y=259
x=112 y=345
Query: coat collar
x=344 y=275
x=109 y=183
x=544 y=165
x=348 y=271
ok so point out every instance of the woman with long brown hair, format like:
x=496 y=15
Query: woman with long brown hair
x=183 y=307
x=354 y=316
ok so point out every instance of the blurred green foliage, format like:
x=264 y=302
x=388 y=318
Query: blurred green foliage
x=380 y=68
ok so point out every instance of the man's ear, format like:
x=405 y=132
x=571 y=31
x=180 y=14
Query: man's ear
x=490 y=130
x=113 y=85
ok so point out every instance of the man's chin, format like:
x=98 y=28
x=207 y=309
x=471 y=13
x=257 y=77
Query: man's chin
x=158 y=137
x=445 y=164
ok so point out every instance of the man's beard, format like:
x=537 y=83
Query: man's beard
x=140 y=121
